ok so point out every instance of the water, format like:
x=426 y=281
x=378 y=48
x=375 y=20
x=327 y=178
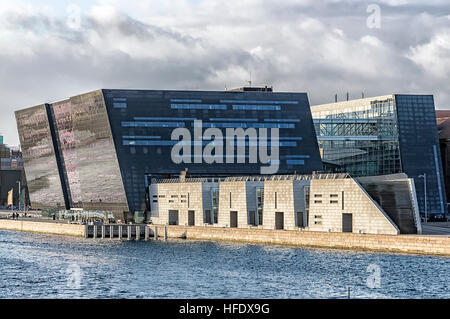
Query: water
x=44 y=266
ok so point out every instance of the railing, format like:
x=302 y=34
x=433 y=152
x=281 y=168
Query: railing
x=258 y=178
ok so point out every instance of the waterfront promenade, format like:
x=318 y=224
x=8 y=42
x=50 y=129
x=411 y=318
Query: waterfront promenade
x=410 y=244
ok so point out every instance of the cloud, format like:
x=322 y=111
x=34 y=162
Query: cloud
x=319 y=47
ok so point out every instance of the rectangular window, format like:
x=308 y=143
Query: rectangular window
x=276 y=195
x=317 y=195
x=215 y=204
x=317 y=202
x=260 y=204
x=334 y=202
x=306 y=190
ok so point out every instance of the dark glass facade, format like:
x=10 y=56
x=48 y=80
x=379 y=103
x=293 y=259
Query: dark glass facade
x=43 y=179
x=103 y=144
x=419 y=147
x=384 y=135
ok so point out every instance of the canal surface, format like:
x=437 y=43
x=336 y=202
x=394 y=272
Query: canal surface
x=43 y=266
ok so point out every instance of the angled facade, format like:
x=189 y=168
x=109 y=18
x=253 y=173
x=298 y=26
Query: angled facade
x=96 y=151
x=385 y=135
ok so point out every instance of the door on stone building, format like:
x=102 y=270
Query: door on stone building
x=347 y=223
x=173 y=217
x=191 y=218
x=300 y=222
x=233 y=219
x=252 y=218
x=279 y=220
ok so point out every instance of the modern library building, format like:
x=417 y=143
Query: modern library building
x=100 y=151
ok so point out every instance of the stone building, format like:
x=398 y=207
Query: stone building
x=317 y=202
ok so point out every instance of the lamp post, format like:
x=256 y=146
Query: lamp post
x=424 y=176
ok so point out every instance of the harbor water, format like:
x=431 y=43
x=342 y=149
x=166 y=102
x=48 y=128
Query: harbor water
x=44 y=266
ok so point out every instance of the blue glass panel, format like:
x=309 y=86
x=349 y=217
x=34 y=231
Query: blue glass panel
x=295 y=162
x=153 y=124
x=257 y=107
x=282 y=120
x=293 y=138
x=259 y=102
x=119 y=105
x=247 y=125
x=185 y=101
x=233 y=119
x=297 y=156
x=281 y=144
x=198 y=106
x=164 y=118
x=149 y=143
x=140 y=137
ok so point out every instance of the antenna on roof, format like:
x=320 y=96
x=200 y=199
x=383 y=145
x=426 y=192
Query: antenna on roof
x=362 y=95
x=250 y=81
x=348 y=96
x=335 y=98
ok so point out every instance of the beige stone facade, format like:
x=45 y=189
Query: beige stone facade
x=320 y=203
x=329 y=201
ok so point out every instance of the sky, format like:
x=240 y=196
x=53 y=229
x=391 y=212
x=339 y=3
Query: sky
x=54 y=49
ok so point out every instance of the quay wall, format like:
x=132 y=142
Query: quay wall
x=43 y=227
x=410 y=244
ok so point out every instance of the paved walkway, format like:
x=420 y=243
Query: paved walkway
x=436 y=228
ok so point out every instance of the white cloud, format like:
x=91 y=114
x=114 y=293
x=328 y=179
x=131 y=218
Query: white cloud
x=319 y=47
x=434 y=56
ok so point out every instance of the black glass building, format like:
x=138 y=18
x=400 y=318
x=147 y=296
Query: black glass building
x=95 y=150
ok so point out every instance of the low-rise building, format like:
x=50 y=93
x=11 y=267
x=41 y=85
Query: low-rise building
x=317 y=202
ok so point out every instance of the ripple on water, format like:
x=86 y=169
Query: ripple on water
x=42 y=266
